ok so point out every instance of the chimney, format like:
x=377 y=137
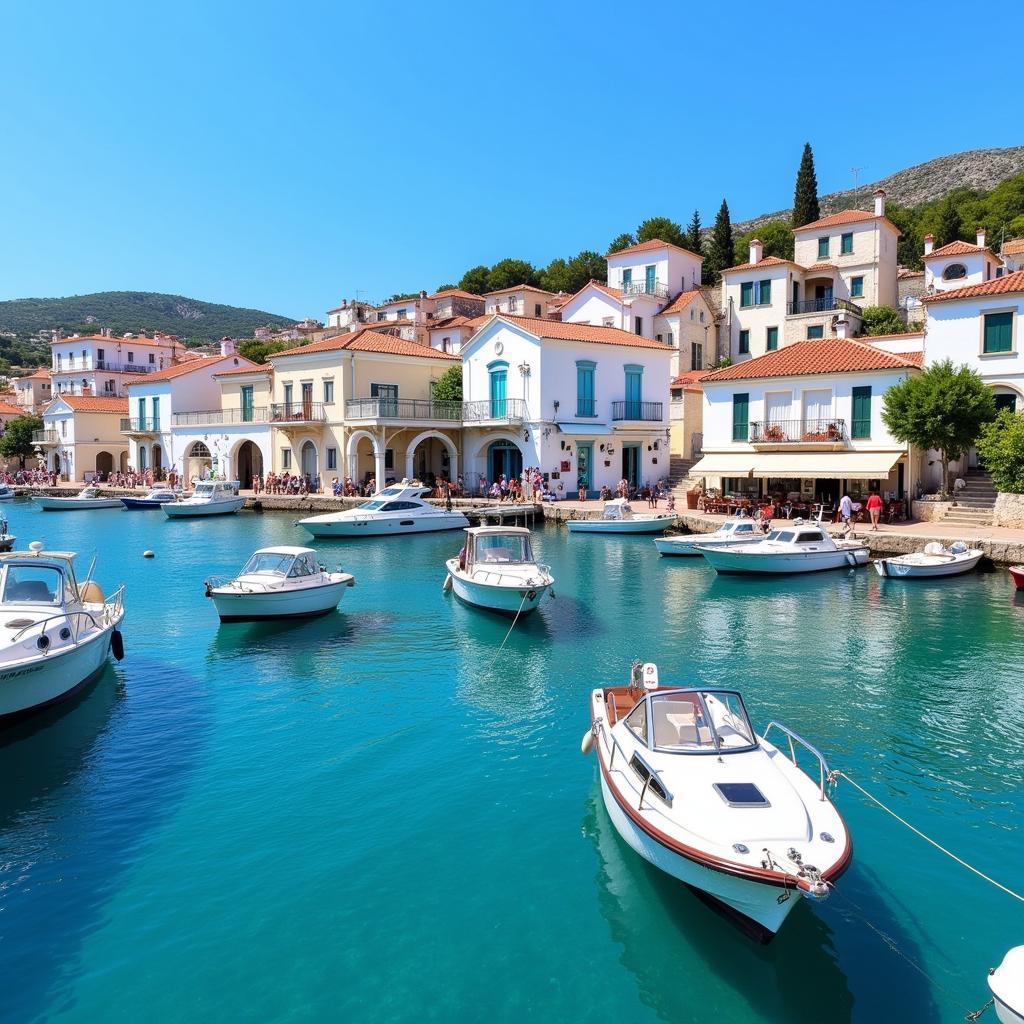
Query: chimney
x=843 y=326
x=929 y=244
x=981 y=237
x=879 y=202
x=423 y=293
x=756 y=250
x=227 y=346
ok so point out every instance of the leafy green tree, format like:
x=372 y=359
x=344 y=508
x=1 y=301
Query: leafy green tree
x=694 y=238
x=261 y=351
x=1001 y=447
x=776 y=236
x=620 y=242
x=663 y=229
x=448 y=387
x=509 y=273
x=399 y=296
x=944 y=408
x=556 y=277
x=475 y=280
x=445 y=287
x=586 y=266
x=720 y=252
x=16 y=442
x=879 y=320
x=949 y=227
x=805 y=196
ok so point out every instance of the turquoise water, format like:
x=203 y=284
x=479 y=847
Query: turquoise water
x=363 y=818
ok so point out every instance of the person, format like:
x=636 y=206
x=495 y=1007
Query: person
x=581 y=487
x=846 y=509
x=874 y=508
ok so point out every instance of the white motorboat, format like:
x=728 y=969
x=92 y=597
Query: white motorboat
x=6 y=539
x=496 y=570
x=795 y=548
x=54 y=633
x=210 y=498
x=618 y=516
x=398 y=509
x=1006 y=983
x=279 y=583
x=696 y=792
x=935 y=560
x=729 y=534
x=157 y=496
x=86 y=498
x=6 y=492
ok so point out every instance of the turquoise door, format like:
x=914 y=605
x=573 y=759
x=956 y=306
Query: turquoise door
x=247 y=407
x=649 y=280
x=634 y=394
x=585 y=465
x=631 y=464
x=156 y=413
x=503 y=458
x=142 y=413
x=499 y=384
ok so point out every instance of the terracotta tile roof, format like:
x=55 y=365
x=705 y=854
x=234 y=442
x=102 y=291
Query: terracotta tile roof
x=902 y=274
x=914 y=357
x=519 y=288
x=117 y=340
x=823 y=266
x=768 y=261
x=845 y=217
x=1014 y=247
x=654 y=243
x=366 y=340
x=6 y=409
x=94 y=403
x=1008 y=283
x=563 y=331
x=688 y=381
x=40 y=374
x=681 y=301
x=615 y=293
x=873 y=338
x=265 y=369
x=455 y=293
x=190 y=366
x=446 y=325
x=958 y=248
x=832 y=355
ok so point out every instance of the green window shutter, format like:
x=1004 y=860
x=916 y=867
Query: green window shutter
x=856 y=287
x=772 y=341
x=846 y=243
x=764 y=292
x=998 y=332
x=585 y=405
x=740 y=417
x=744 y=342
x=822 y=248
x=815 y=333
x=861 y=426
x=747 y=293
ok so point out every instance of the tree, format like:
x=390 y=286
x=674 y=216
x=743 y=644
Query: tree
x=720 y=253
x=776 y=236
x=556 y=277
x=663 y=229
x=879 y=320
x=399 y=296
x=1001 y=447
x=805 y=196
x=693 y=239
x=944 y=408
x=620 y=242
x=475 y=279
x=448 y=387
x=949 y=222
x=509 y=273
x=261 y=351
x=445 y=287
x=586 y=266
x=16 y=442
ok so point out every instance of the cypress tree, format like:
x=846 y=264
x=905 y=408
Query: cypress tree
x=805 y=198
x=694 y=242
x=720 y=254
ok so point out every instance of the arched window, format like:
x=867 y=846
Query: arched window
x=954 y=272
x=199 y=451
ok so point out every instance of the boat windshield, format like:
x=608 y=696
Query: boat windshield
x=371 y=506
x=89 y=492
x=783 y=535
x=204 y=491
x=613 y=510
x=274 y=562
x=700 y=722
x=304 y=565
x=502 y=547
x=737 y=526
x=32 y=584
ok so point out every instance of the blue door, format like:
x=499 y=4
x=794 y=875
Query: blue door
x=499 y=384
x=631 y=464
x=585 y=466
x=649 y=280
x=634 y=394
x=503 y=458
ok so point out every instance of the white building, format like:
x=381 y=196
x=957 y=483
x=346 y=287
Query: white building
x=81 y=437
x=958 y=264
x=1012 y=253
x=102 y=364
x=520 y=300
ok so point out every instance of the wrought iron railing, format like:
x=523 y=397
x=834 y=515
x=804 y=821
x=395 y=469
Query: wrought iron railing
x=105 y=364
x=45 y=437
x=136 y=425
x=655 y=288
x=629 y=410
x=495 y=409
x=826 y=305
x=403 y=409
x=256 y=414
x=297 y=412
x=798 y=431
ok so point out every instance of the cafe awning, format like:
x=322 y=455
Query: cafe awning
x=724 y=464
x=584 y=429
x=825 y=465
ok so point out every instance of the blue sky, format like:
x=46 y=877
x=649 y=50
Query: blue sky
x=284 y=156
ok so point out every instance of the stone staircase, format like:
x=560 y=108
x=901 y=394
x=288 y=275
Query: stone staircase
x=975 y=504
x=679 y=481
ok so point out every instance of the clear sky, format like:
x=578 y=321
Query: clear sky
x=287 y=155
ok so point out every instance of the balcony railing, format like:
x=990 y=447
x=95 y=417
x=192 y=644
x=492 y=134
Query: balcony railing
x=45 y=437
x=827 y=305
x=813 y=431
x=140 y=426
x=257 y=414
x=646 y=411
x=402 y=409
x=104 y=364
x=495 y=409
x=655 y=288
x=297 y=412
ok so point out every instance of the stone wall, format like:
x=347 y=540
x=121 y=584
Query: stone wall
x=930 y=511
x=1009 y=510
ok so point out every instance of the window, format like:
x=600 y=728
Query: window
x=381 y=316
x=286 y=458
x=636 y=721
x=997 y=332
x=246 y=396
x=696 y=356
x=861 y=426
x=702 y=316
x=585 y=403
x=152 y=359
x=288 y=392
x=638 y=324
x=627 y=279
x=815 y=333
x=744 y=343
x=764 y=293
x=446 y=344
x=691 y=312
x=536 y=309
x=658 y=337
x=63 y=428
x=608 y=321
x=389 y=458
x=822 y=248
x=155 y=402
x=131 y=357
x=846 y=243
x=746 y=294
x=634 y=391
x=108 y=387
x=771 y=342
x=954 y=272
x=332 y=458
x=513 y=304
x=99 y=354
x=670 y=338
x=856 y=287
x=328 y=392
x=740 y=417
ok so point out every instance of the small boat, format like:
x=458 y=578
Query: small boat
x=1006 y=983
x=55 y=633
x=396 y=510
x=792 y=549
x=6 y=492
x=1017 y=575
x=496 y=570
x=695 y=791
x=86 y=498
x=157 y=496
x=279 y=583
x=6 y=539
x=935 y=560
x=618 y=516
x=730 y=533
x=210 y=498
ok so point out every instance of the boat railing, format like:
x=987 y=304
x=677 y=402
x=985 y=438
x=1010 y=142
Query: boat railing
x=496 y=576
x=71 y=620
x=113 y=606
x=652 y=773
x=796 y=739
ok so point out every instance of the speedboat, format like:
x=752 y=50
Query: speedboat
x=795 y=548
x=1017 y=575
x=86 y=498
x=6 y=492
x=398 y=509
x=279 y=583
x=157 y=496
x=496 y=570
x=55 y=633
x=618 y=516
x=1006 y=982
x=730 y=533
x=695 y=791
x=210 y=498
x=934 y=560
x=6 y=539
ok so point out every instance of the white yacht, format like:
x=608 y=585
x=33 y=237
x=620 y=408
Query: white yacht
x=398 y=509
x=730 y=533
x=86 y=498
x=279 y=583
x=210 y=498
x=1006 y=983
x=618 y=516
x=497 y=570
x=7 y=492
x=54 y=634
x=696 y=792
x=795 y=548
x=935 y=560
x=6 y=539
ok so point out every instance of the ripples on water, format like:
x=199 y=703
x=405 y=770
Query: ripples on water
x=369 y=817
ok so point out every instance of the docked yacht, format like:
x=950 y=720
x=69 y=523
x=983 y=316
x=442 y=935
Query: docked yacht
x=7 y=492
x=55 y=633
x=86 y=498
x=398 y=509
x=157 y=496
x=279 y=583
x=935 y=560
x=696 y=792
x=210 y=498
x=1006 y=983
x=729 y=534
x=6 y=539
x=497 y=570
x=800 y=547
x=618 y=516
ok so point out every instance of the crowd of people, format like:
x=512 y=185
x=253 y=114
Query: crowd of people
x=287 y=483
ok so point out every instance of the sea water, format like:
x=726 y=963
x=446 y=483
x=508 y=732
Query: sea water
x=383 y=815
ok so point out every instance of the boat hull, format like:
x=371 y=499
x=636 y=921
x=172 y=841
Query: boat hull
x=74 y=504
x=1017 y=575
x=686 y=547
x=893 y=568
x=290 y=604
x=183 y=510
x=370 y=527
x=141 y=504
x=505 y=600
x=658 y=525
x=733 y=562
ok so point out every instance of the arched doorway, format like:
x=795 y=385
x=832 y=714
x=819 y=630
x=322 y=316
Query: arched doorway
x=123 y=462
x=307 y=459
x=104 y=465
x=249 y=462
x=142 y=459
x=198 y=461
x=158 y=459
x=503 y=457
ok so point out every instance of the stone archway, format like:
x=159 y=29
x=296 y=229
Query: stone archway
x=104 y=465
x=352 y=464
x=198 y=461
x=452 y=471
x=308 y=461
x=477 y=463
x=248 y=463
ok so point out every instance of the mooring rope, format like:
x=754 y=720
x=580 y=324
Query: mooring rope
x=494 y=660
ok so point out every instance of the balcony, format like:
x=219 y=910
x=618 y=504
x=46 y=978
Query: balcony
x=257 y=414
x=405 y=409
x=647 y=412
x=498 y=410
x=827 y=305
x=139 y=368
x=140 y=426
x=297 y=412
x=655 y=289
x=45 y=437
x=826 y=434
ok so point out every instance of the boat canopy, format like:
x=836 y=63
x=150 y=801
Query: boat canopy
x=37 y=581
x=290 y=562
x=693 y=722
x=617 y=510
x=511 y=547
x=798 y=535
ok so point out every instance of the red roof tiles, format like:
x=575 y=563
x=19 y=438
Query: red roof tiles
x=94 y=403
x=1014 y=247
x=845 y=217
x=958 y=248
x=654 y=243
x=366 y=340
x=562 y=331
x=681 y=301
x=1008 y=283
x=180 y=369
x=6 y=409
x=768 y=261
